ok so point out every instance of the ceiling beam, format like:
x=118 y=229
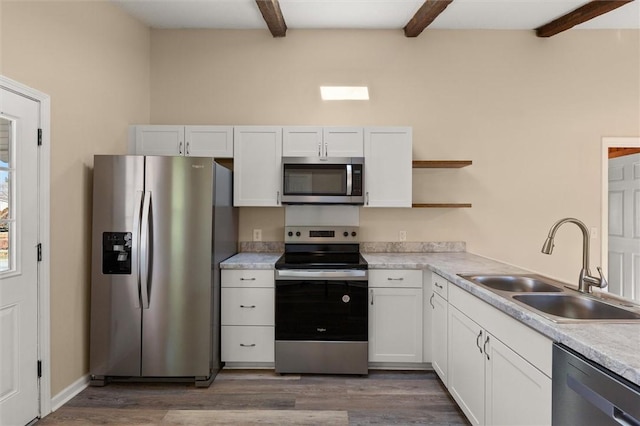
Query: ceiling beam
x=582 y=14
x=272 y=15
x=427 y=13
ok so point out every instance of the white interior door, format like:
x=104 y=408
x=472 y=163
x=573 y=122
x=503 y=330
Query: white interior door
x=624 y=226
x=19 y=117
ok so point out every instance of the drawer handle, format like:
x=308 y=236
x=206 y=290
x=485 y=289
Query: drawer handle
x=247 y=346
x=248 y=306
x=439 y=286
x=247 y=279
x=395 y=279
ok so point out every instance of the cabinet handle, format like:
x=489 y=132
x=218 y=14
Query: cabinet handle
x=248 y=306
x=247 y=279
x=371 y=293
x=485 y=347
x=188 y=149
x=180 y=148
x=478 y=340
x=395 y=279
x=431 y=301
x=278 y=197
x=367 y=198
x=439 y=286
x=247 y=346
x=320 y=149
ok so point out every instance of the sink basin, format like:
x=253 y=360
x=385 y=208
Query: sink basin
x=569 y=306
x=514 y=283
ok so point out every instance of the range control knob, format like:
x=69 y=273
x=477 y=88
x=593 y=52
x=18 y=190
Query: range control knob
x=345 y=233
x=298 y=234
x=353 y=234
x=290 y=234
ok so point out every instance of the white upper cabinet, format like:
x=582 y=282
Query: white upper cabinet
x=388 y=168
x=343 y=142
x=322 y=142
x=209 y=141
x=194 y=141
x=257 y=166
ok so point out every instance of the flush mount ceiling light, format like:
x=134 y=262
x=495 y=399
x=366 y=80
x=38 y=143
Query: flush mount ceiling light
x=344 y=93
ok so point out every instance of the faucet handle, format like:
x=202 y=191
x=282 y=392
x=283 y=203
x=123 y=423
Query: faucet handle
x=603 y=282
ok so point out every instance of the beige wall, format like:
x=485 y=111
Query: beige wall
x=93 y=61
x=529 y=112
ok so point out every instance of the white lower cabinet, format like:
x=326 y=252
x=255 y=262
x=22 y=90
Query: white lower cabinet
x=491 y=383
x=247 y=312
x=439 y=308
x=395 y=316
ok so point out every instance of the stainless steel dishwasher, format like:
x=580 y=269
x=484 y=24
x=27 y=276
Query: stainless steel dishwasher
x=585 y=393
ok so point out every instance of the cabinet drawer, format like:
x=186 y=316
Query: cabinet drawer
x=247 y=306
x=247 y=344
x=440 y=285
x=395 y=278
x=247 y=278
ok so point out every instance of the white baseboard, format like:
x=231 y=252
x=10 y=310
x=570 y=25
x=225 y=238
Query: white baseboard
x=69 y=392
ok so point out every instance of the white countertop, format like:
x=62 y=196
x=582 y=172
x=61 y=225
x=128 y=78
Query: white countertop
x=614 y=346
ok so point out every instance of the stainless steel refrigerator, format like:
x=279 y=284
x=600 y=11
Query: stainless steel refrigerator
x=161 y=226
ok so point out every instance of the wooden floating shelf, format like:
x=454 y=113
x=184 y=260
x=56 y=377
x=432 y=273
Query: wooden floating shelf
x=440 y=164
x=441 y=205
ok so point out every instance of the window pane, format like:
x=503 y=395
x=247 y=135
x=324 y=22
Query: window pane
x=5 y=143
x=5 y=241
x=5 y=195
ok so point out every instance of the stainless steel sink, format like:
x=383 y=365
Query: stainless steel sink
x=514 y=283
x=575 y=307
x=555 y=300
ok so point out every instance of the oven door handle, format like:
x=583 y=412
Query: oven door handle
x=310 y=274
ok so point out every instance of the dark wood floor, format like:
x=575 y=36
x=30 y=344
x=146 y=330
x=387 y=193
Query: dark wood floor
x=262 y=397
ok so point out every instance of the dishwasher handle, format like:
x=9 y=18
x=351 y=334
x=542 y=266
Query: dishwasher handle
x=602 y=403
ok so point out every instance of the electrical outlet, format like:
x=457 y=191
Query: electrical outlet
x=402 y=236
x=257 y=235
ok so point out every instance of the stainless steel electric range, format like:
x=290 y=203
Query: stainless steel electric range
x=321 y=313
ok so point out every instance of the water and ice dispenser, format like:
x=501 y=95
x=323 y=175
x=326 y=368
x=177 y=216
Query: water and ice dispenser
x=116 y=252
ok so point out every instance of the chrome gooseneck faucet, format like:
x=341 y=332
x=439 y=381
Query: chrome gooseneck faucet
x=586 y=280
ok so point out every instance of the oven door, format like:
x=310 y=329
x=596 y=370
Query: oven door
x=321 y=306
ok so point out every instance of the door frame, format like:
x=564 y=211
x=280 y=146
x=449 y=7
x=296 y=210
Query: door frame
x=44 y=266
x=609 y=142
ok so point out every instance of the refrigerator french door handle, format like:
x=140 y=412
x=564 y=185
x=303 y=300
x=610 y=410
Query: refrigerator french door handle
x=145 y=251
x=136 y=240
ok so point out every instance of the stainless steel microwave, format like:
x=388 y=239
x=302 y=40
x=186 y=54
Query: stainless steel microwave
x=330 y=180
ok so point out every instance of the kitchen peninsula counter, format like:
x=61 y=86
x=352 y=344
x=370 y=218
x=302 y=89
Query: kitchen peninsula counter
x=615 y=346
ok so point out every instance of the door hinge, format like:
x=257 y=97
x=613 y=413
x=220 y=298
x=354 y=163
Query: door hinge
x=39 y=252
x=39 y=368
x=39 y=137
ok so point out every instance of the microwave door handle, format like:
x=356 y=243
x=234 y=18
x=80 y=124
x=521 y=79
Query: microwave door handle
x=349 y=179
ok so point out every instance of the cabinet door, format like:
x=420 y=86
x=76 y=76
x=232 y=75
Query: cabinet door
x=159 y=140
x=395 y=325
x=465 y=367
x=343 y=142
x=439 y=308
x=209 y=141
x=257 y=166
x=388 y=167
x=516 y=392
x=302 y=142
